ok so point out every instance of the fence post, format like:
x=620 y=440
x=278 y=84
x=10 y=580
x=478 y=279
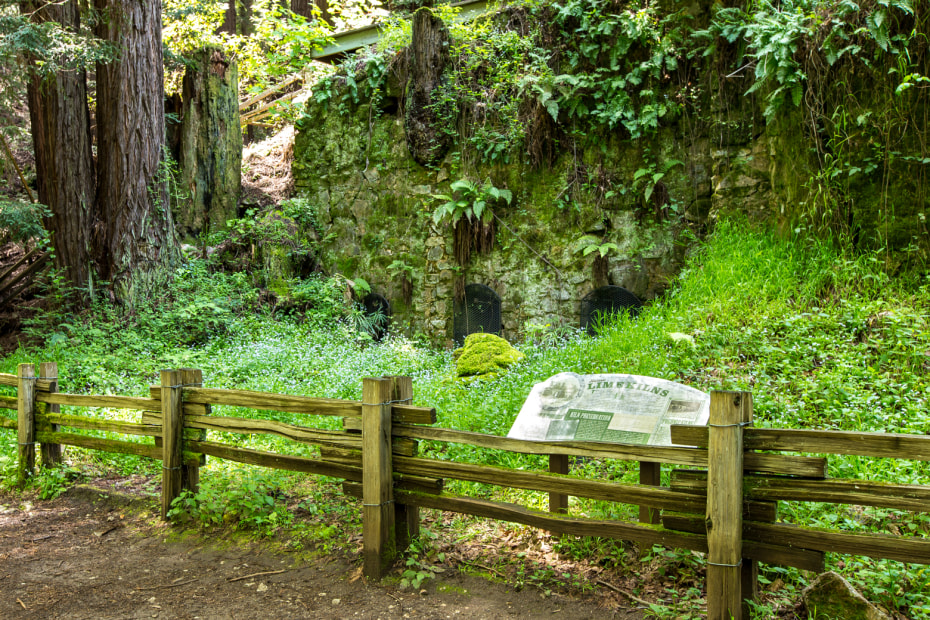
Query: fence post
x=406 y=518
x=558 y=502
x=190 y=472
x=51 y=452
x=26 y=421
x=749 y=571
x=378 y=531
x=724 y=518
x=172 y=426
x=649 y=473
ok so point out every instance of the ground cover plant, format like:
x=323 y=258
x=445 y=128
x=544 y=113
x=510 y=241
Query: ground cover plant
x=822 y=337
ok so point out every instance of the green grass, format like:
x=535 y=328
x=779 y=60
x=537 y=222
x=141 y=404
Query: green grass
x=822 y=337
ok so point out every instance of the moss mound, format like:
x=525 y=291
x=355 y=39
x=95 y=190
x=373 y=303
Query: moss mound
x=485 y=354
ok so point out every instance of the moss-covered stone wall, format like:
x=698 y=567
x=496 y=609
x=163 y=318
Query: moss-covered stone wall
x=641 y=203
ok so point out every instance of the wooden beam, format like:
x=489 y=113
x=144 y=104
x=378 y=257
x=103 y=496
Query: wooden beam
x=879 y=445
x=111 y=402
x=51 y=452
x=558 y=502
x=725 y=504
x=26 y=423
x=276 y=461
x=649 y=474
x=406 y=518
x=778 y=555
x=649 y=534
x=172 y=438
x=836 y=491
x=98 y=424
x=377 y=476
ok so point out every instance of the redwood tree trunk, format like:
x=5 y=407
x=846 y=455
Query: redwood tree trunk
x=62 y=142
x=427 y=137
x=229 y=19
x=304 y=8
x=210 y=149
x=131 y=185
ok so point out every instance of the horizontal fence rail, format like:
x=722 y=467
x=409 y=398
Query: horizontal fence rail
x=879 y=445
x=721 y=498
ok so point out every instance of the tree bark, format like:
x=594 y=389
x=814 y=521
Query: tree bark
x=304 y=8
x=210 y=153
x=62 y=143
x=244 y=17
x=132 y=191
x=229 y=19
x=428 y=54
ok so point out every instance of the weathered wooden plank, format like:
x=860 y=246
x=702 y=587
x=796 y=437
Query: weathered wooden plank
x=499 y=476
x=777 y=464
x=9 y=380
x=8 y=402
x=558 y=502
x=406 y=518
x=344 y=454
x=777 y=555
x=411 y=414
x=172 y=421
x=51 y=452
x=197 y=408
x=725 y=504
x=378 y=530
x=113 y=426
x=784 y=465
x=835 y=491
x=432 y=486
x=649 y=474
x=649 y=534
x=107 y=445
x=899 y=548
x=678 y=456
x=190 y=474
x=400 y=414
x=302 y=434
x=881 y=445
x=112 y=402
x=25 y=420
x=273 y=402
x=8 y=423
x=276 y=461
x=655 y=497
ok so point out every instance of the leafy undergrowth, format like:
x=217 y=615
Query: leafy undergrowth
x=822 y=337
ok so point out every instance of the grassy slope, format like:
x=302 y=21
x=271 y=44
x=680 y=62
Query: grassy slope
x=822 y=339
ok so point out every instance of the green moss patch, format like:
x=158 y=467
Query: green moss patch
x=484 y=355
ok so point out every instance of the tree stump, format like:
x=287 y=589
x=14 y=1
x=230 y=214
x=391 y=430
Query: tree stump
x=428 y=54
x=210 y=150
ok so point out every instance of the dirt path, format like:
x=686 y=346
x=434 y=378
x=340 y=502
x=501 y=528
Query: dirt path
x=99 y=554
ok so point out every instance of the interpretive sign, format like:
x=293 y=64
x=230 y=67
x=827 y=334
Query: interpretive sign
x=614 y=408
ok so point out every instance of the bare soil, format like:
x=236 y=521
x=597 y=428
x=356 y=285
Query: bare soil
x=102 y=553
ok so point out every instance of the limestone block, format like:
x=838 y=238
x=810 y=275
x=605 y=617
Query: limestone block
x=830 y=596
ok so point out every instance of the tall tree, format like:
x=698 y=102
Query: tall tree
x=229 y=19
x=131 y=181
x=62 y=142
x=304 y=8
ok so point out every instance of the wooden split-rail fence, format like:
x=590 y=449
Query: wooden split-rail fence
x=722 y=499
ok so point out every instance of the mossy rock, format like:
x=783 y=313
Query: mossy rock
x=484 y=355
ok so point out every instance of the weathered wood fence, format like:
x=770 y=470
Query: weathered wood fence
x=723 y=502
